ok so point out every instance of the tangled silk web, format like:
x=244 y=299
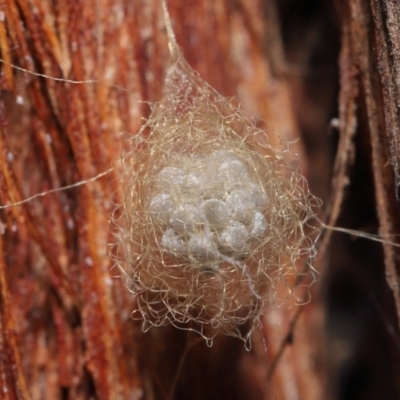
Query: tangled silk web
x=212 y=220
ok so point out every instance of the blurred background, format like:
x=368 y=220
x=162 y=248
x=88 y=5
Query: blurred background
x=322 y=73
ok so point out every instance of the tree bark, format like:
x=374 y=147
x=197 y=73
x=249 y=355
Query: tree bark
x=325 y=72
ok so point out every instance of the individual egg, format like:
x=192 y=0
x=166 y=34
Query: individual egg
x=240 y=205
x=211 y=189
x=202 y=247
x=209 y=186
x=173 y=243
x=170 y=176
x=186 y=219
x=258 y=226
x=234 y=237
x=190 y=183
x=161 y=207
x=215 y=212
x=230 y=171
x=226 y=168
x=257 y=194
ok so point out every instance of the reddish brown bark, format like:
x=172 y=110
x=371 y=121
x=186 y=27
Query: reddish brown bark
x=65 y=326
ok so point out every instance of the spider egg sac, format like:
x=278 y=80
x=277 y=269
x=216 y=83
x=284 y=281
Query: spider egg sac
x=212 y=218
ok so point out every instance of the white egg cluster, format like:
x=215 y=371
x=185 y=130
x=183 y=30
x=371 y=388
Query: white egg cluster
x=209 y=209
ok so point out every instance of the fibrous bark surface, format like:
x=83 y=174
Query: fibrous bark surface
x=322 y=71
